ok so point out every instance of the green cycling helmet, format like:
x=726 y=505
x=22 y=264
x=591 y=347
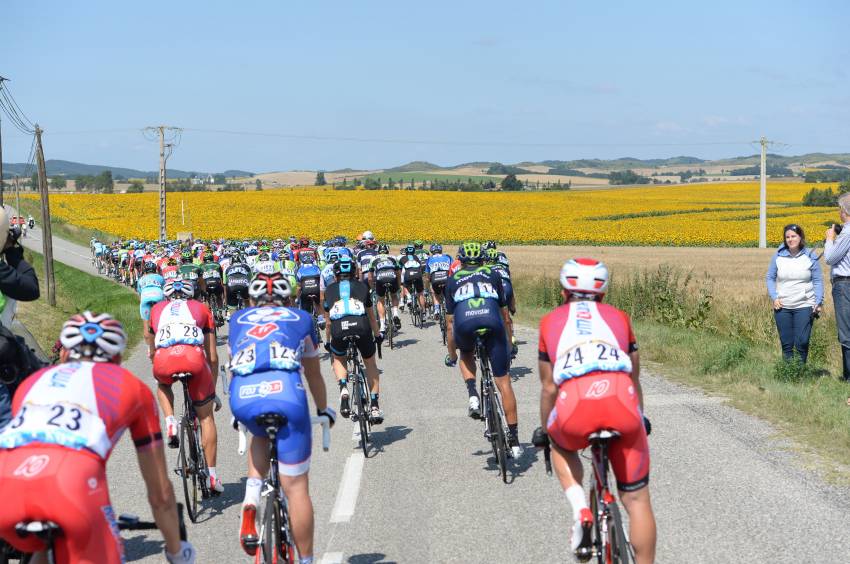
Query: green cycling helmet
x=470 y=252
x=186 y=256
x=492 y=255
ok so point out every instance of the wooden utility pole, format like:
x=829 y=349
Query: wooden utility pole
x=763 y=195
x=17 y=196
x=160 y=130
x=46 y=231
x=1 y=156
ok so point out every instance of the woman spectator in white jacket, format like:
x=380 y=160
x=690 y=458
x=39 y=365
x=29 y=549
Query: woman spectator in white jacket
x=795 y=284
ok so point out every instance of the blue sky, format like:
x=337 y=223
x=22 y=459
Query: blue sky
x=536 y=80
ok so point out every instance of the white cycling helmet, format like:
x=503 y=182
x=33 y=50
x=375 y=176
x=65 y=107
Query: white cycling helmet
x=368 y=236
x=100 y=337
x=584 y=276
x=178 y=289
x=267 y=287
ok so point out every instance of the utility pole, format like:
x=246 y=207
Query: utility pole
x=1 y=156
x=17 y=196
x=763 y=195
x=46 y=231
x=160 y=129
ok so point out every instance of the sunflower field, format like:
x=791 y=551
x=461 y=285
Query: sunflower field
x=714 y=214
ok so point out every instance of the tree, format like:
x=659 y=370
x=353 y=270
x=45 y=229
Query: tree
x=135 y=187
x=219 y=179
x=258 y=184
x=320 y=179
x=34 y=181
x=58 y=182
x=103 y=182
x=511 y=184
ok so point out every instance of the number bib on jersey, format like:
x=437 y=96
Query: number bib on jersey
x=591 y=356
x=211 y=274
x=178 y=334
x=345 y=308
x=64 y=424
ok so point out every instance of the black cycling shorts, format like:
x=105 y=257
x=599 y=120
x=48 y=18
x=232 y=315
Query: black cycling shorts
x=438 y=287
x=381 y=287
x=235 y=290
x=352 y=326
x=415 y=285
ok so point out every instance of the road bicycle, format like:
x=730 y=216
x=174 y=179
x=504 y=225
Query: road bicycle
x=609 y=545
x=361 y=398
x=213 y=299
x=48 y=532
x=417 y=316
x=496 y=428
x=388 y=315
x=191 y=461
x=443 y=323
x=277 y=544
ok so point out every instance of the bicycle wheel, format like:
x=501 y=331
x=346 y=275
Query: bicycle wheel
x=620 y=549
x=443 y=326
x=596 y=532
x=272 y=551
x=501 y=439
x=365 y=412
x=186 y=457
x=201 y=463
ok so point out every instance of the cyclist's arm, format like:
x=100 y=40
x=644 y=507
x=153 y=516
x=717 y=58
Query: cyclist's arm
x=635 y=356
x=313 y=375
x=370 y=313
x=212 y=352
x=160 y=494
x=548 y=391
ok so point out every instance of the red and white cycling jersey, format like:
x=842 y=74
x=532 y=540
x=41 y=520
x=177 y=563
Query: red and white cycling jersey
x=180 y=322
x=83 y=406
x=580 y=338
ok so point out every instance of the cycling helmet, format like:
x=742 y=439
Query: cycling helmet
x=409 y=250
x=186 y=257
x=470 y=252
x=269 y=287
x=307 y=258
x=332 y=256
x=208 y=256
x=489 y=245
x=172 y=261
x=418 y=244
x=491 y=255
x=383 y=249
x=304 y=242
x=97 y=336
x=344 y=267
x=584 y=276
x=263 y=257
x=150 y=267
x=370 y=243
x=367 y=235
x=178 y=289
x=436 y=249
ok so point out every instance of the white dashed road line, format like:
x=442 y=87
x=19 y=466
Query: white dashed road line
x=349 y=487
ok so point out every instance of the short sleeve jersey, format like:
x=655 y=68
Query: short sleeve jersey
x=471 y=285
x=437 y=268
x=269 y=338
x=82 y=406
x=347 y=298
x=180 y=322
x=151 y=280
x=237 y=274
x=583 y=337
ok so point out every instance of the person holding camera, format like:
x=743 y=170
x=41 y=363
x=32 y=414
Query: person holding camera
x=795 y=284
x=837 y=256
x=17 y=282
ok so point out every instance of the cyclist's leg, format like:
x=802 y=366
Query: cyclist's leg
x=201 y=392
x=297 y=489
x=642 y=530
x=381 y=291
x=420 y=291
x=367 y=348
x=497 y=348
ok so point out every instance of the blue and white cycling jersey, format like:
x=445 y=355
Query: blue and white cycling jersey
x=328 y=277
x=438 y=262
x=99 y=249
x=150 y=293
x=307 y=270
x=270 y=338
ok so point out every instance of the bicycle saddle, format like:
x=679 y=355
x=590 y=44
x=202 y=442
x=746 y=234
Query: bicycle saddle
x=40 y=529
x=603 y=435
x=182 y=376
x=275 y=420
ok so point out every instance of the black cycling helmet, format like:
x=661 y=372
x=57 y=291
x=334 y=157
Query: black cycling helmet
x=409 y=250
x=436 y=249
x=344 y=267
x=186 y=257
x=383 y=249
x=470 y=253
x=208 y=256
x=150 y=268
x=489 y=245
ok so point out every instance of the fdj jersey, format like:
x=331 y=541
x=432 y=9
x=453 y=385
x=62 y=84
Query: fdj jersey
x=270 y=338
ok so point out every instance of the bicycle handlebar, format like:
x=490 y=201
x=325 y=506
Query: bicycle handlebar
x=326 y=430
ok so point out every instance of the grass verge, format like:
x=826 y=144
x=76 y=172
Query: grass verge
x=76 y=291
x=730 y=354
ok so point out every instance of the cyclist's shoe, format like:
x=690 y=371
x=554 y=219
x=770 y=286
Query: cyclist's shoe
x=173 y=432
x=436 y=315
x=216 y=487
x=580 y=540
x=514 y=348
x=320 y=322
x=376 y=416
x=344 y=407
x=474 y=407
x=248 y=537
x=516 y=448
x=397 y=322
x=449 y=362
x=217 y=402
x=402 y=305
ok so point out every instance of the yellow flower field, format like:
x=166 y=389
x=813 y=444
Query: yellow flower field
x=697 y=214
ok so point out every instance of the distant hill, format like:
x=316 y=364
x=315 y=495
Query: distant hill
x=56 y=167
x=415 y=166
x=623 y=163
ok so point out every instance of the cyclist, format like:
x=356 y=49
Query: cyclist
x=437 y=268
x=364 y=257
x=499 y=267
x=308 y=275
x=170 y=269
x=212 y=274
x=191 y=271
x=590 y=376
x=182 y=335
x=475 y=301
x=265 y=264
x=349 y=305
x=53 y=454
x=384 y=275
x=269 y=344
x=149 y=287
x=411 y=276
x=237 y=278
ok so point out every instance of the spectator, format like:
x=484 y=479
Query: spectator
x=836 y=255
x=17 y=282
x=795 y=284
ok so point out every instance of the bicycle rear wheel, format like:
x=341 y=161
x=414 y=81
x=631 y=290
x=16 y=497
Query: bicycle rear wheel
x=501 y=439
x=365 y=412
x=273 y=551
x=186 y=457
x=620 y=549
x=597 y=542
x=201 y=463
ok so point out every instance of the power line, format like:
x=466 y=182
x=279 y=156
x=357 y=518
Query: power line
x=14 y=112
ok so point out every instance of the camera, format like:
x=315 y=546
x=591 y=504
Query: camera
x=837 y=227
x=14 y=234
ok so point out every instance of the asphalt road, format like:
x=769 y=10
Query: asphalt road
x=724 y=486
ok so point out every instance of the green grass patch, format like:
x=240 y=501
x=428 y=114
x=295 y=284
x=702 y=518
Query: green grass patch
x=730 y=350
x=76 y=291
x=61 y=228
